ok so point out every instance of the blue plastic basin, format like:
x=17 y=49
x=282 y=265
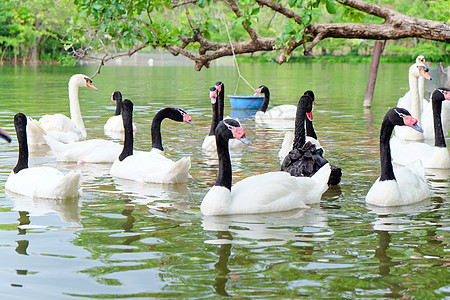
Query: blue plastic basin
x=246 y=101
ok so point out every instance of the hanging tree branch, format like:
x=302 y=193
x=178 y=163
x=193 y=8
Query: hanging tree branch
x=196 y=47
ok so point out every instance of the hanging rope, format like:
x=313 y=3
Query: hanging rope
x=235 y=61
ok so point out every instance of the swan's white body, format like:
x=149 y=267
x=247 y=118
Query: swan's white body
x=266 y=193
x=428 y=122
x=93 y=151
x=285 y=111
x=153 y=167
x=58 y=126
x=404 y=153
x=288 y=143
x=410 y=187
x=115 y=124
x=44 y=182
x=411 y=101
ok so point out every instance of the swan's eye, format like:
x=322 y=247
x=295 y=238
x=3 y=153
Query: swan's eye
x=400 y=114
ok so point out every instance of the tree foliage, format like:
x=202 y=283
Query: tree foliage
x=204 y=30
x=30 y=28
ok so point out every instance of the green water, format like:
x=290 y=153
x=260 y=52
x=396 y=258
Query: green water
x=136 y=241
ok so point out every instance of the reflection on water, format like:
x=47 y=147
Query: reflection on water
x=124 y=239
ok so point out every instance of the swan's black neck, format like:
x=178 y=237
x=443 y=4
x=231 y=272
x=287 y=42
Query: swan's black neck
x=215 y=120
x=439 y=139
x=20 y=123
x=127 y=117
x=310 y=129
x=165 y=113
x=221 y=105
x=118 y=99
x=299 y=136
x=265 y=104
x=225 y=174
x=387 y=171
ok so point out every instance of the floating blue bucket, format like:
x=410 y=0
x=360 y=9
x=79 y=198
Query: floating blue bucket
x=246 y=101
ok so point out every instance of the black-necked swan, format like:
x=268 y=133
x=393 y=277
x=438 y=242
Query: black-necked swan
x=285 y=111
x=115 y=123
x=209 y=143
x=305 y=159
x=412 y=102
x=264 y=193
x=150 y=166
x=58 y=126
x=288 y=140
x=402 y=185
x=433 y=157
x=40 y=182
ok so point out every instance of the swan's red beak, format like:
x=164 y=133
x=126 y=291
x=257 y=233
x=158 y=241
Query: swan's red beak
x=112 y=99
x=258 y=91
x=309 y=115
x=188 y=119
x=239 y=134
x=213 y=96
x=412 y=122
x=219 y=88
x=4 y=135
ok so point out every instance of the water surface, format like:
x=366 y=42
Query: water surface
x=128 y=240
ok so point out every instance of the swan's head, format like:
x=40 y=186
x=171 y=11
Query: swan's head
x=213 y=95
x=116 y=96
x=306 y=104
x=420 y=58
x=402 y=117
x=186 y=118
x=441 y=94
x=4 y=135
x=310 y=94
x=81 y=80
x=231 y=128
x=420 y=69
x=262 y=89
x=219 y=86
x=20 y=122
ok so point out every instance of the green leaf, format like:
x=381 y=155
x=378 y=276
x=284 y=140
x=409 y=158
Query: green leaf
x=331 y=7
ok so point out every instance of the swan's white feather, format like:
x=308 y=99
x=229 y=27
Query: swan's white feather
x=404 y=153
x=94 y=151
x=115 y=124
x=410 y=187
x=44 y=182
x=285 y=111
x=265 y=193
x=151 y=166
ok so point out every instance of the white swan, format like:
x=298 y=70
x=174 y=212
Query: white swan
x=150 y=166
x=217 y=101
x=40 y=182
x=411 y=101
x=264 y=193
x=115 y=123
x=285 y=111
x=435 y=157
x=408 y=185
x=59 y=126
x=91 y=151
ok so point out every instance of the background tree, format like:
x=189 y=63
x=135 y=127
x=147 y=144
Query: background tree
x=198 y=29
x=31 y=29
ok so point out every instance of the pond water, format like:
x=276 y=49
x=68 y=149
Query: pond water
x=126 y=240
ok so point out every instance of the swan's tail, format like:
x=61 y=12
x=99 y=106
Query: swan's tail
x=69 y=186
x=35 y=132
x=321 y=178
x=179 y=171
x=286 y=146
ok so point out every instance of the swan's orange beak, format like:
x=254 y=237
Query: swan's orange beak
x=423 y=71
x=90 y=85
